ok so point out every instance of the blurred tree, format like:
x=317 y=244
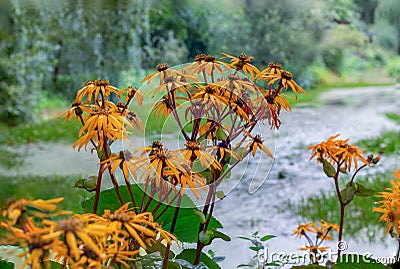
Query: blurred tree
x=387 y=28
x=285 y=31
x=366 y=9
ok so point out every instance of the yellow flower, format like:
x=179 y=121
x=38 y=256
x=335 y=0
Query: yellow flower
x=257 y=143
x=39 y=241
x=285 y=79
x=272 y=69
x=271 y=103
x=304 y=228
x=124 y=160
x=192 y=152
x=76 y=233
x=206 y=64
x=211 y=94
x=328 y=226
x=77 y=109
x=158 y=160
x=390 y=205
x=243 y=63
x=102 y=124
x=94 y=88
x=140 y=227
x=338 y=151
x=164 y=72
x=163 y=107
x=14 y=209
x=132 y=92
x=314 y=248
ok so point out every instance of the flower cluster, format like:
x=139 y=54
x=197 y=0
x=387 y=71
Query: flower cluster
x=322 y=233
x=389 y=206
x=217 y=108
x=339 y=152
x=80 y=240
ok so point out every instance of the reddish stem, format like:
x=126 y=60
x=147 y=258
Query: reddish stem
x=98 y=186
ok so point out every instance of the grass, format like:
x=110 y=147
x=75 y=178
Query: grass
x=388 y=143
x=35 y=187
x=10 y=158
x=394 y=117
x=45 y=131
x=360 y=221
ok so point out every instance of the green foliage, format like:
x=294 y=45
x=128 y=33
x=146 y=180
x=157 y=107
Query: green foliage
x=190 y=255
x=394 y=117
x=186 y=228
x=51 y=130
x=387 y=18
x=33 y=187
x=6 y=265
x=393 y=68
x=387 y=143
x=10 y=158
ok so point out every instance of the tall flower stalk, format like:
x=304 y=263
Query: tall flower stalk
x=339 y=157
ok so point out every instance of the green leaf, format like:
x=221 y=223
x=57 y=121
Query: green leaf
x=200 y=215
x=363 y=191
x=186 y=228
x=218 y=234
x=329 y=170
x=245 y=238
x=206 y=237
x=88 y=183
x=101 y=154
x=220 y=134
x=254 y=248
x=347 y=194
x=190 y=255
x=6 y=265
x=220 y=195
x=267 y=237
x=350 y=261
x=244 y=265
x=173 y=265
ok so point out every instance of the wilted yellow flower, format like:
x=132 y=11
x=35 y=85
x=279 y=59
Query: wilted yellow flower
x=242 y=62
x=257 y=143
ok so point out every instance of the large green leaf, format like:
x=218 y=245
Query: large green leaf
x=188 y=223
x=6 y=265
x=190 y=255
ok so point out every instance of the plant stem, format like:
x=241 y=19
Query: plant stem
x=342 y=207
x=203 y=227
x=116 y=187
x=166 y=255
x=128 y=186
x=98 y=186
